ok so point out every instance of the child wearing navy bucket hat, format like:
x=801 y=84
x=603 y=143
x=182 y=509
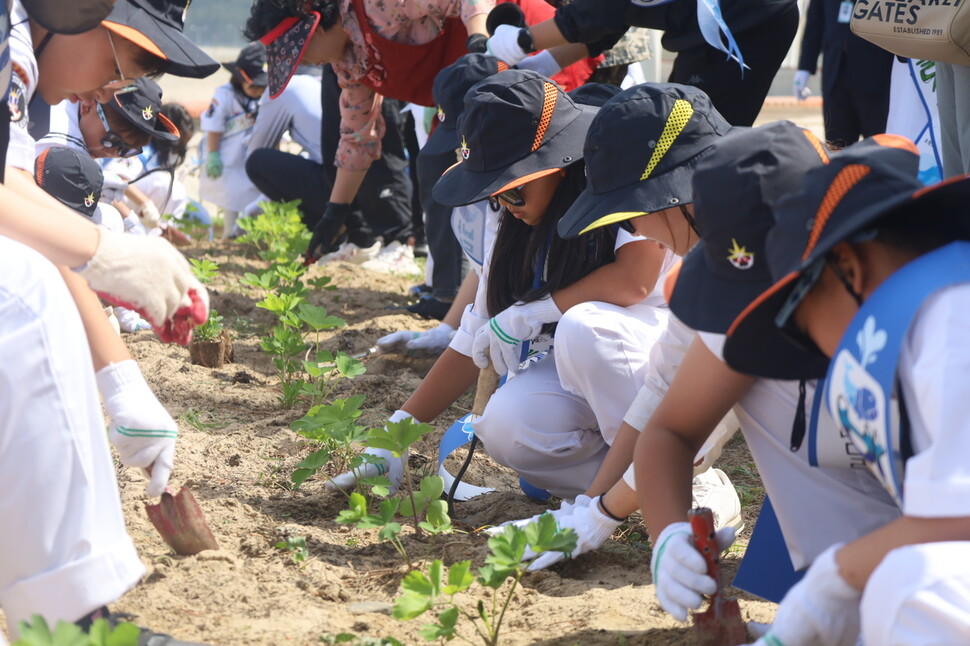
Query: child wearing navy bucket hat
x=871 y=273
x=641 y=152
x=536 y=291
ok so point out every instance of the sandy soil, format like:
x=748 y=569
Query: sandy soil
x=236 y=450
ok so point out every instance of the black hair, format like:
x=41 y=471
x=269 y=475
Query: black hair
x=265 y=15
x=122 y=126
x=174 y=151
x=519 y=246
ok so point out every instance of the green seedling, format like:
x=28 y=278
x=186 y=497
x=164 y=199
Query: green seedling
x=204 y=269
x=278 y=232
x=358 y=516
x=38 y=633
x=333 y=428
x=211 y=330
x=296 y=546
x=397 y=437
x=436 y=588
x=354 y=640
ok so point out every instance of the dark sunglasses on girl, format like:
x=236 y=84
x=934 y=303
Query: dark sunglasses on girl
x=114 y=141
x=512 y=197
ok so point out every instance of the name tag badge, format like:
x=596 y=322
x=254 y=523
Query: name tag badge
x=845 y=11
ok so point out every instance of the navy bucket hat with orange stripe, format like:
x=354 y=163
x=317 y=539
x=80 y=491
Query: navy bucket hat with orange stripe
x=517 y=126
x=250 y=65
x=156 y=26
x=735 y=187
x=641 y=152
x=840 y=202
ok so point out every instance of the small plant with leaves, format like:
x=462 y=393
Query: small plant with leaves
x=211 y=330
x=350 y=639
x=278 y=232
x=296 y=546
x=101 y=633
x=436 y=588
x=204 y=269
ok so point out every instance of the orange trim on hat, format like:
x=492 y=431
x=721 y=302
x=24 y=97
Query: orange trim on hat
x=39 y=168
x=847 y=178
x=133 y=35
x=502 y=66
x=817 y=145
x=548 y=107
x=171 y=127
x=896 y=141
x=526 y=179
x=765 y=295
x=671 y=280
x=927 y=189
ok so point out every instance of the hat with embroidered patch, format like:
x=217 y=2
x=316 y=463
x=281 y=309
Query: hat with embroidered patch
x=843 y=201
x=734 y=187
x=449 y=89
x=156 y=26
x=641 y=152
x=251 y=64
x=517 y=126
x=140 y=104
x=71 y=177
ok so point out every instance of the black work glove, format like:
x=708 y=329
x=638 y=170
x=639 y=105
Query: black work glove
x=327 y=232
x=476 y=44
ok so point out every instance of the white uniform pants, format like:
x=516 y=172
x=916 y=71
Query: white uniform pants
x=554 y=422
x=64 y=550
x=919 y=596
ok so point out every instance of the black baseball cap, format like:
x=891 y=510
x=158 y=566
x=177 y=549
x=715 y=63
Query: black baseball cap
x=595 y=94
x=842 y=201
x=73 y=17
x=641 y=152
x=251 y=64
x=735 y=186
x=71 y=177
x=448 y=90
x=141 y=104
x=156 y=26
x=517 y=126
x=285 y=45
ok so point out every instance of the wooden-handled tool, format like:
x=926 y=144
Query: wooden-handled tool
x=487 y=384
x=721 y=624
x=180 y=521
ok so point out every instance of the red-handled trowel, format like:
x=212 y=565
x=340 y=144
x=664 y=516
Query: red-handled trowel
x=180 y=521
x=721 y=623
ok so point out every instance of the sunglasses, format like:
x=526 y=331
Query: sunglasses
x=112 y=140
x=513 y=197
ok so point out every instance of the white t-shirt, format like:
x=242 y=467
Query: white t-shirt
x=65 y=129
x=23 y=84
x=934 y=362
x=816 y=507
x=227 y=114
x=297 y=110
x=476 y=314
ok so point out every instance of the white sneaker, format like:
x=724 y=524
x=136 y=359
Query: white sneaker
x=395 y=258
x=713 y=489
x=349 y=252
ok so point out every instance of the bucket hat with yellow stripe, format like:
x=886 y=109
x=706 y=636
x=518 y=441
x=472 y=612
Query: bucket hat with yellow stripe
x=843 y=201
x=641 y=151
x=516 y=127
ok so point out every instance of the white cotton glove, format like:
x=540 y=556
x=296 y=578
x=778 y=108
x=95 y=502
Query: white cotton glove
x=423 y=344
x=499 y=341
x=149 y=215
x=504 y=44
x=592 y=527
x=140 y=428
x=149 y=276
x=799 y=85
x=820 y=609
x=542 y=63
x=680 y=572
x=565 y=509
x=392 y=468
